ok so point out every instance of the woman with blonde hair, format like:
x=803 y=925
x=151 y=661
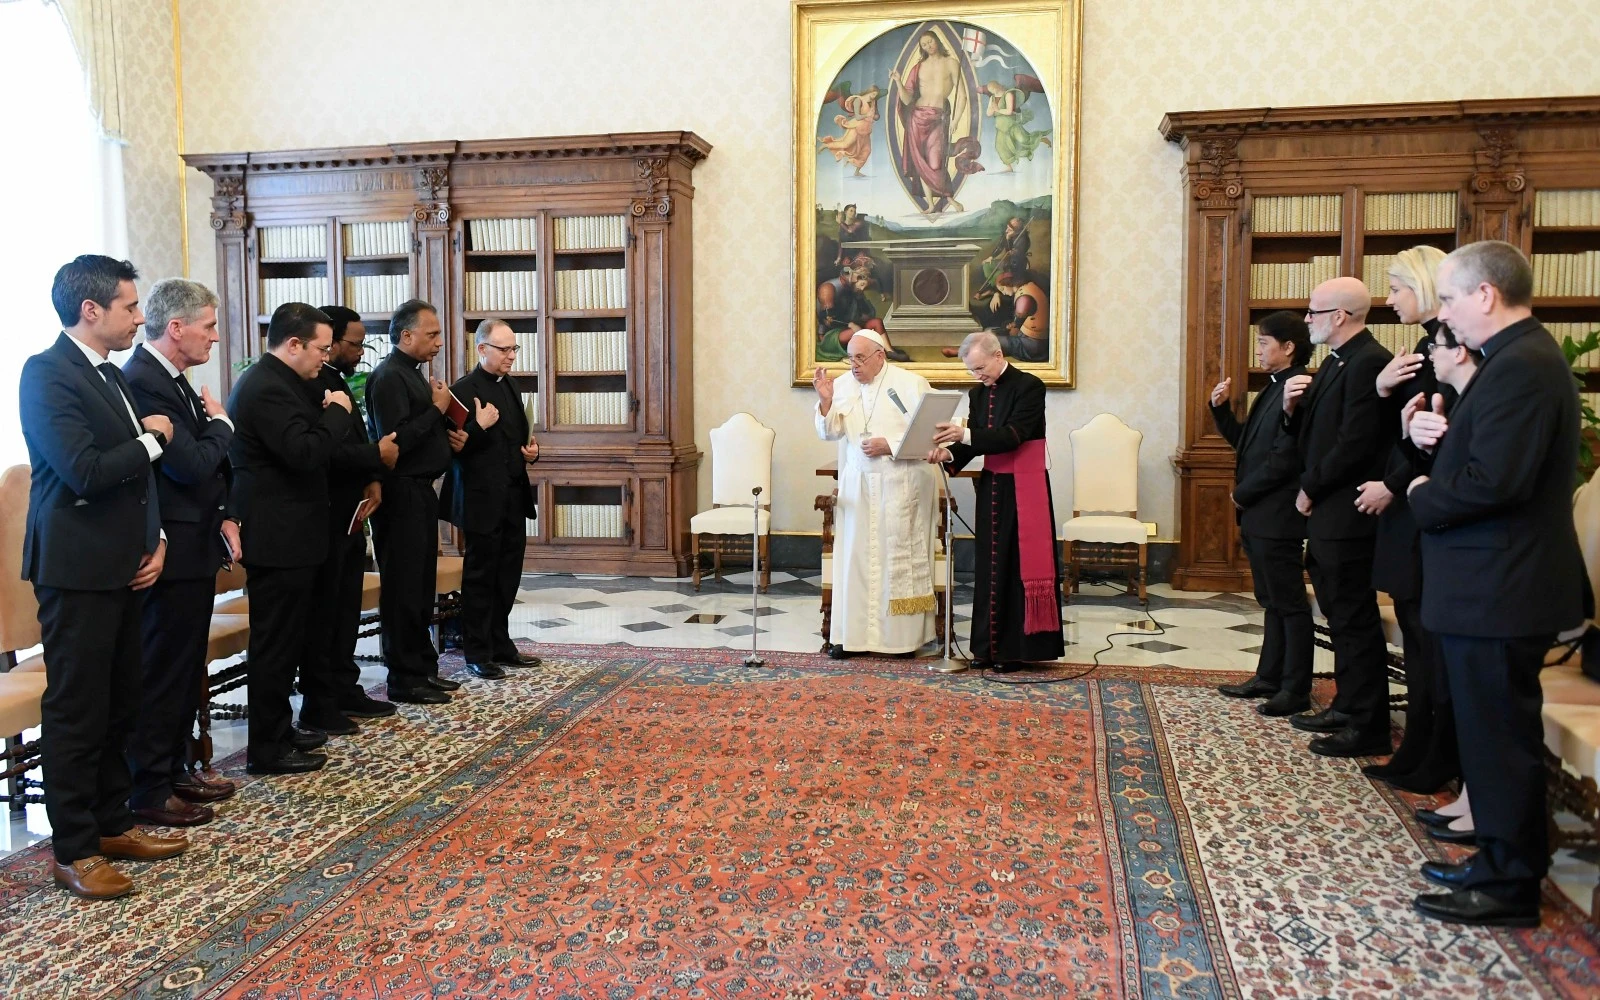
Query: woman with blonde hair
x=1427 y=756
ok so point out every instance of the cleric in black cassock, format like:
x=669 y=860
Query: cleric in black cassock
x=1016 y=610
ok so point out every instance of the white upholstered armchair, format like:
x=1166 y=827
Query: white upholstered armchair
x=1105 y=480
x=741 y=460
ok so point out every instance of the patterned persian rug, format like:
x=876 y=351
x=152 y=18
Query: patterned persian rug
x=630 y=823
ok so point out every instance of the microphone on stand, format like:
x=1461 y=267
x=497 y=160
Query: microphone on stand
x=754 y=659
x=894 y=397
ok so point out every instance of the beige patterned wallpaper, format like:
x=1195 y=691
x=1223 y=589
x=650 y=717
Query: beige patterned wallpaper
x=262 y=74
x=150 y=159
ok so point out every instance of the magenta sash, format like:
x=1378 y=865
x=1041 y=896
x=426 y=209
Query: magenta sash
x=1036 y=537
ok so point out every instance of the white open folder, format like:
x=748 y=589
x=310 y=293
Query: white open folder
x=937 y=406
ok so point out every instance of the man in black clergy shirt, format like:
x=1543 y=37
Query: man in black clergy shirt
x=1336 y=427
x=405 y=531
x=93 y=547
x=1502 y=570
x=283 y=441
x=487 y=495
x=1271 y=531
x=192 y=480
x=1016 y=603
x=330 y=681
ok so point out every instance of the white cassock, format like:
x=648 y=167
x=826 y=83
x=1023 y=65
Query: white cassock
x=883 y=543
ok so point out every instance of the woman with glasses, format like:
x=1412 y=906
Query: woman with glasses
x=1427 y=756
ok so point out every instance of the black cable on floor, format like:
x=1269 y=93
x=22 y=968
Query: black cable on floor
x=1055 y=678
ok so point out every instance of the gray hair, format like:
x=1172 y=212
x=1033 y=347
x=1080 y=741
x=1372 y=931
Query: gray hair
x=983 y=340
x=487 y=328
x=174 y=299
x=1492 y=262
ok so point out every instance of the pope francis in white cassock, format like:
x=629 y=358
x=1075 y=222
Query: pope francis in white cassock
x=883 y=545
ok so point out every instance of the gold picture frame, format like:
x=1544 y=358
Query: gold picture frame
x=928 y=201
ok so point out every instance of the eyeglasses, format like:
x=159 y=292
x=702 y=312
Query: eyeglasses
x=1319 y=312
x=505 y=350
x=324 y=351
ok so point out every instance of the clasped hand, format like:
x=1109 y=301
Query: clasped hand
x=1425 y=428
x=875 y=447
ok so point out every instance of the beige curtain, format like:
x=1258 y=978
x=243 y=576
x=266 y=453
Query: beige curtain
x=96 y=35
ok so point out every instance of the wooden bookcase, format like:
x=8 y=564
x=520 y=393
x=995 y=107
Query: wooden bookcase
x=582 y=243
x=1280 y=198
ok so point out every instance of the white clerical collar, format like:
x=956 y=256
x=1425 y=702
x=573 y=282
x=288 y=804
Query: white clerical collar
x=168 y=365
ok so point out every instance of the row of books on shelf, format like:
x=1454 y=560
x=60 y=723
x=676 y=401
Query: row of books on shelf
x=287 y=242
x=1577 y=331
x=592 y=351
x=590 y=232
x=1566 y=208
x=1291 y=280
x=591 y=407
x=1306 y=213
x=587 y=520
x=376 y=293
x=377 y=239
x=1375 y=273
x=527 y=350
x=1410 y=210
x=277 y=291
x=504 y=235
x=598 y=288
x=512 y=291
x=1566 y=274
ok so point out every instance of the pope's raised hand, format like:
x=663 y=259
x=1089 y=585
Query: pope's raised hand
x=823 y=383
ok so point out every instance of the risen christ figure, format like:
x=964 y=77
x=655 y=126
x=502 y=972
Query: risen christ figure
x=930 y=98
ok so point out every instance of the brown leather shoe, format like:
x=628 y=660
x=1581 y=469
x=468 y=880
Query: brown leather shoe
x=92 y=878
x=137 y=845
x=194 y=788
x=175 y=812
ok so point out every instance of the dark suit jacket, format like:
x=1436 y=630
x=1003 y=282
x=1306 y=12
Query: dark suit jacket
x=355 y=461
x=93 y=512
x=193 y=474
x=1397 y=559
x=1499 y=551
x=1265 y=479
x=489 y=466
x=1018 y=411
x=1342 y=438
x=282 y=444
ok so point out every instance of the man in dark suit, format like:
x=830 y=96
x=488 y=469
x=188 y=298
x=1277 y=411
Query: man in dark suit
x=487 y=495
x=283 y=441
x=330 y=681
x=192 y=482
x=1271 y=531
x=1336 y=422
x=405 y=532
x=92 y=549
x=1502 y=570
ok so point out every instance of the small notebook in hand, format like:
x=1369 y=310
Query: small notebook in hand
x=458 y=413
x=363 y=509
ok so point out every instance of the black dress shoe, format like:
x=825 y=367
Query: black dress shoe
x=193 y=788
x=1008 y=667
x=364 y=706
x=441 y=684
x=291 y=761
x=981 y=665
x=838 y=652
x=1282 y=704
x=518 y=659
x=1470 y=906
x=175 y=812
x=1449 y=876
x=488 y=671
x=306 y=739
x=328 y=721
x=1383 y=772
x=1427 y=817
x=423 y=695
x=1445 y=835
x=1255 y=687
x=1325 y=721
x=1349 y=743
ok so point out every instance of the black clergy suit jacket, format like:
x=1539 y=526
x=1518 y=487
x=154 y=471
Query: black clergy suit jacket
x=194 y=474
x=93 y=511
x=1265 y=478
x=354 y=462
x=1397 y=561
x=281 y=447
x=1499 y=549
x=1342 y=436
x=489 y=468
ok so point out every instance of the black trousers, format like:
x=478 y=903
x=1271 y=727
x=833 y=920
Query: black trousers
x=280 y=614
x=176 y=626
x=1494 y=686
x=329 y=677
x=405 y=534
x=1277 y=567
x=92 y=656
x=1427 y=757
x=491 y=570
x=1341 y=574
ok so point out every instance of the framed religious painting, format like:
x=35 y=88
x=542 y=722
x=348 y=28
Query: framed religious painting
x=936 y=172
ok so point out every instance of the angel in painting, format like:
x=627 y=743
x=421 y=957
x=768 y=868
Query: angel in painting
x=861 y=112
x=1008 y=107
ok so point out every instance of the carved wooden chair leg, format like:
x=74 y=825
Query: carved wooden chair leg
x=15 y=786
x=827 y=616
x=716 y=556
x=200 y=747
x=694 y=546
x=766 y=564
x=938 y=615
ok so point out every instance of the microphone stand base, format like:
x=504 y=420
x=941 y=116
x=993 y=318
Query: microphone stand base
x=948 y=665
x=754 y=661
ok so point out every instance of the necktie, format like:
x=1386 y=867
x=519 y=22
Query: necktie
x=195 y=403
x=119 y=388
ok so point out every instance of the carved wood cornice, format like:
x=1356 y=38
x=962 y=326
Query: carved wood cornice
x=1216 y=183
x=433 y=188
x=227 y=203
x=1497 y=161
x=653 y=198
x=1183 y=126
